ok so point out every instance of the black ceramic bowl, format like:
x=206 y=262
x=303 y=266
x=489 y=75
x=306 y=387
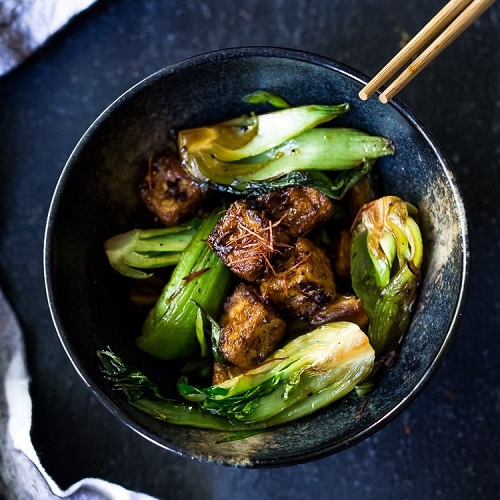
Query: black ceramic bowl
x=96 y=198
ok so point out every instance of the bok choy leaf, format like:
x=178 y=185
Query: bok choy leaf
x=332 y=184
x=307 y=374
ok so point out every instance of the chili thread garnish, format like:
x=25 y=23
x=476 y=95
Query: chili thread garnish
x=363 y=408
x=195 y=274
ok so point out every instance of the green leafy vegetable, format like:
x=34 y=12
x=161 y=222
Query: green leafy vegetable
x=145 y=395
x=252 y=135
x=138 y=249
x=329 y=149
x=315 y=149
x=334 y=184
x=264 y=97
x=134 y=384
x=253 y=154
x=208 y=334
x=308 y=373
x=386 y=255
x=200 y=277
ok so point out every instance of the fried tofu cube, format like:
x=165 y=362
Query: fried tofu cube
x=303 y=281
x=169 y=192
x=342 y=308
x=250 y=329
x=364 y=191
x=299 y=209
x=246 y=240
x=224 y=371
x=342 y=254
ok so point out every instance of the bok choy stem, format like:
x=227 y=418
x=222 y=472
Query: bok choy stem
x=386 y=255
x=328 y=149
x=138 y=249
x=200 y=277
x=243 y=137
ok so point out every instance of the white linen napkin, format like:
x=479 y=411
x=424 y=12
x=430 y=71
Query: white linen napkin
x=27 y=24
x=21 y=473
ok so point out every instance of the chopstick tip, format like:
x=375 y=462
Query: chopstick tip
x=383 y=98
x=363 y=95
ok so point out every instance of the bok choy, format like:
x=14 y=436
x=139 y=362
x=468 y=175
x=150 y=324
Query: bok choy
x=199 y=278
x=248 y=136
x=386 y=255
x=259 y=148
x=138 y=249
x=308 y=373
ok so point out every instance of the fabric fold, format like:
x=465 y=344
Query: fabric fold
x=25 y=25
x=21 y=473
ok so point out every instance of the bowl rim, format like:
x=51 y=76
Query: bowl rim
x=233 y=53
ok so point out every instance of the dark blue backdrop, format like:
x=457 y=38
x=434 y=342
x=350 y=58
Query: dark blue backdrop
x=446 y=444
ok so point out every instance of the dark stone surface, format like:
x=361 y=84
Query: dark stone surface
x=445 y=445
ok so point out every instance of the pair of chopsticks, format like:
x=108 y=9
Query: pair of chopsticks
x=457 y=15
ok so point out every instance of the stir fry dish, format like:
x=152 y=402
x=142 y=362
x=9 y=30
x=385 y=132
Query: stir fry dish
x=285 y=280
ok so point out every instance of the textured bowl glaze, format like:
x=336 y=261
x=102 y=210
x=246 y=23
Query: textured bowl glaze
x=97 y=195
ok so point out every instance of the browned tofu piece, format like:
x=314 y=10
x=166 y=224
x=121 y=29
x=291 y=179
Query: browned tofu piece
x=300 y=209
x=342 y=308
x=302 y=282
x=246 y=240
x=169 y=192
x=250 y=329
x=341 y=257
x=225 y=371
x=361 y=193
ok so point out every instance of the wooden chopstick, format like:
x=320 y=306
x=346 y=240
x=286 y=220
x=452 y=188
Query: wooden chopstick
x=462 y=12
x=422 y=38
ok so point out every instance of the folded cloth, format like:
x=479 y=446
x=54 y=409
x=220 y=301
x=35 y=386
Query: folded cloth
x=27 y=24
x=21 y=473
